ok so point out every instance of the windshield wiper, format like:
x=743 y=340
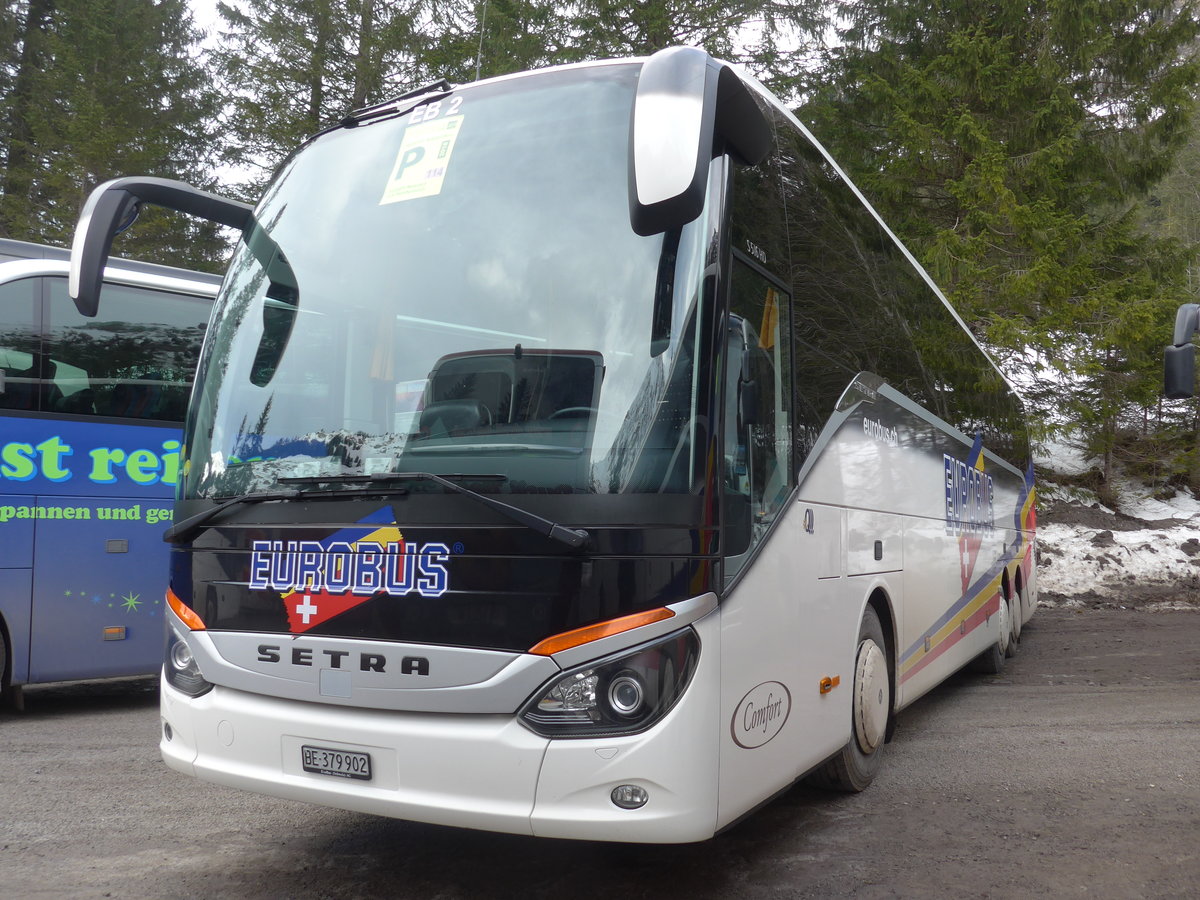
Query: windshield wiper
x=395 y=106
x=181 y=531
x=572 y=537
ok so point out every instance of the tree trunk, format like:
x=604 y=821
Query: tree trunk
x=365 y=71
x=17 y=181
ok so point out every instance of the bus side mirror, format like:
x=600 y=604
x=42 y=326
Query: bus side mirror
x=685 y=101
x=1179 y=360
x=111 y=209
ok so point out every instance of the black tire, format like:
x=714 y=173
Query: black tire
x=991 y=660
x=5 y=678
x=855 y=767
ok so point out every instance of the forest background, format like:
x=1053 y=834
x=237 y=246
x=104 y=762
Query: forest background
x=1040 y=158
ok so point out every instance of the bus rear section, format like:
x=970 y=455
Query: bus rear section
x=547 y=475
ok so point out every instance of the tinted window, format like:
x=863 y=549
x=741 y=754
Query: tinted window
x=135 y=360
x=759 y=472
x=20 y=372
x=861 y=306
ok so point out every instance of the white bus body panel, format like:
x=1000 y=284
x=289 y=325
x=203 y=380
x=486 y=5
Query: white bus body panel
x=784 y=629
x=892 y=482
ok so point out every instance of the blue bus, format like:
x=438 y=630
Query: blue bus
x=91 y=414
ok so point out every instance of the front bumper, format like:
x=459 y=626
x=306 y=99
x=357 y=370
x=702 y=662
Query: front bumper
x=473 y=771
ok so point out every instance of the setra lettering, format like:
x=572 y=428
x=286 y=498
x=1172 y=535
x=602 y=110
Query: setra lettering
x=367 y=662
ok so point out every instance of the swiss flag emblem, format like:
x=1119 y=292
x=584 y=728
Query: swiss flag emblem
x=308 y=609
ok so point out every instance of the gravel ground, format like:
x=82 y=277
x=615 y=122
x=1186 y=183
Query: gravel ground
x=1074 y=773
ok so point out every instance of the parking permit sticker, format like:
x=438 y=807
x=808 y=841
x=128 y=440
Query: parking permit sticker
x=423 y=160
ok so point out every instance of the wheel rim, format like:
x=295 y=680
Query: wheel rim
x=1005 y=624
x=872 y=696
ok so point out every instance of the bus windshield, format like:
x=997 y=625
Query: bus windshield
x=465 y=297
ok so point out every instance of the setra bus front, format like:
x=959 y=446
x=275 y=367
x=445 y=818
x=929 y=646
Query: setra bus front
x=446 y=543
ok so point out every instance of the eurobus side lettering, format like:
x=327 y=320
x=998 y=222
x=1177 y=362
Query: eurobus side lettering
x=50 y=460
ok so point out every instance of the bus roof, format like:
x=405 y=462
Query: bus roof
x=13 y=250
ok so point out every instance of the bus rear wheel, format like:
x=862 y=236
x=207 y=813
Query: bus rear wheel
x=854 y=768
x=991 y=660
x=1017 y=611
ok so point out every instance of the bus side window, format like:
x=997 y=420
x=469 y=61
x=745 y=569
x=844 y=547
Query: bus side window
x=758 y=474
x=136 y=360
x=20 y=345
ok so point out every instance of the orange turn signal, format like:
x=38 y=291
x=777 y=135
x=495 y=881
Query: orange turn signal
x=827 y=683
x=185 y=612
x=568 y=639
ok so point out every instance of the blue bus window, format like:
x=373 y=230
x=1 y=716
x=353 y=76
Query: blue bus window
x=19 y=345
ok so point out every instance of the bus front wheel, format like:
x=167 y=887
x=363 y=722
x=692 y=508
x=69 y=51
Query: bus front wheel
x=5 y=678
x=854 y=768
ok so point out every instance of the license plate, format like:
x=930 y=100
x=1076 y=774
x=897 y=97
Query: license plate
x=339 y=763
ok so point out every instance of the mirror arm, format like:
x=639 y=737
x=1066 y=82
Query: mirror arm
x=112 y=206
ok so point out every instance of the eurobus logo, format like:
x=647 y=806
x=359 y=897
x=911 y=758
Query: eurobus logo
x=318 y=580
x=970 y=493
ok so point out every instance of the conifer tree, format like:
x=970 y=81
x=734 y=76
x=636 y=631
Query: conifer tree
x=295 y=66
x=740 y=30
x=94 y=89
x=1009 y=143
x=473 y=39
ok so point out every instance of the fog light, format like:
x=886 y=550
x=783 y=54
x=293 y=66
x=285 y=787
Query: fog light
x=167 y=732
x=629 y=796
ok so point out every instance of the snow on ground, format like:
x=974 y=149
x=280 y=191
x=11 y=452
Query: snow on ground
x=1145 y=554
x=1063 y=455
x=1134 y=502
x=1144 y=568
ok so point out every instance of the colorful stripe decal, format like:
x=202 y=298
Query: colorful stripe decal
x=981 y=596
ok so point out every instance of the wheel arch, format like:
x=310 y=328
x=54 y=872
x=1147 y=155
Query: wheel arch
x=6 y=655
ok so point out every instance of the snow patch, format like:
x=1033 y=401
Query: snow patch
x=1084 y=564
x=1134 y=502
x=1062 y=455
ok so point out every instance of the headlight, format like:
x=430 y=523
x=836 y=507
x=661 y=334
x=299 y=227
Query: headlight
x=180 y=667
x=621 y=694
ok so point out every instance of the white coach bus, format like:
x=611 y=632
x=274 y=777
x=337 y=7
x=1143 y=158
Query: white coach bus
x=575 y=454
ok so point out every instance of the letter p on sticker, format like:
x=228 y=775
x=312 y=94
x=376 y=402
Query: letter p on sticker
x=409 y=157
